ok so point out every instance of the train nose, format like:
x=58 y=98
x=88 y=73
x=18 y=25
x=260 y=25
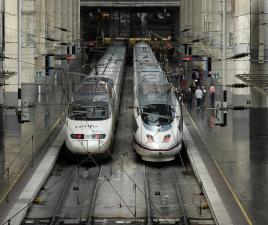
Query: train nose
x=89 y=146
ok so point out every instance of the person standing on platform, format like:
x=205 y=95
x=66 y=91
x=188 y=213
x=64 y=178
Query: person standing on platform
x=189 y=98
x=199 y=96
x=212 y=91
x=204 y=96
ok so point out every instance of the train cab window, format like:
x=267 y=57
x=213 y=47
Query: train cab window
x=157 y=114
x=87 y=113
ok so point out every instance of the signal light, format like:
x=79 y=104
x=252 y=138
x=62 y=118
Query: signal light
x=77 y=136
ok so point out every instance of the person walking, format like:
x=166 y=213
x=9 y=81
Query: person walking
x=212 y=91
x=189 y=98
x=199 y=96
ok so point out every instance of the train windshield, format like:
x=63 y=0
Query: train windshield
x=93 y=92
x=98 y=111
x=157 y=114
x=91 y=102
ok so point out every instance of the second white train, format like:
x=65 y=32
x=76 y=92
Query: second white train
x=157 y=122
x=93 y=111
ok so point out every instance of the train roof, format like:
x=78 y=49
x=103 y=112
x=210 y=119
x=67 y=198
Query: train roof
x=108 y=66
x=152 y=84
x=95 y=87
x=91 y=92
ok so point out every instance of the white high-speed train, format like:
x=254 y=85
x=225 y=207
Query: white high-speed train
x=92 y=115
x=157 y=122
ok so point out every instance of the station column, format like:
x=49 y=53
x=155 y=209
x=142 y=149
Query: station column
x=58 y=30
x=70 y=24
x=64 y=24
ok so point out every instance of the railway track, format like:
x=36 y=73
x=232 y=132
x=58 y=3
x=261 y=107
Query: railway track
x=66 y=197
x=163 y=196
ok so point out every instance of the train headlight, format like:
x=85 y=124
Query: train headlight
x=98 y=136
x=150 y=138
x=77 y=136
x=166 y=138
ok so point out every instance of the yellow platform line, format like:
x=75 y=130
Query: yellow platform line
x=238 y=202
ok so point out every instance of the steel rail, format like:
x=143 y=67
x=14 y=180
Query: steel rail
x=184 y=217
x=61 y=198
x=146 y=184
x=90 y=215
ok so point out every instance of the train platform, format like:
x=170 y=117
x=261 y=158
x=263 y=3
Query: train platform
x=21 y=143
x=14 y=212
x=239 y=152
x=235 y=154
x=221 y=198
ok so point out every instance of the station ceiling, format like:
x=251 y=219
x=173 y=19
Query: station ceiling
x=129 y=3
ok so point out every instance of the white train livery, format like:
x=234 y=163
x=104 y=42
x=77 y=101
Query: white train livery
x=157 y=122
x=93 y=112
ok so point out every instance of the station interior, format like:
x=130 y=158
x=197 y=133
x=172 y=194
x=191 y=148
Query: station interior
x=55 y=51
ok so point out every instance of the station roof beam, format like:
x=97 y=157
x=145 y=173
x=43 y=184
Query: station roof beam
x=122 y=3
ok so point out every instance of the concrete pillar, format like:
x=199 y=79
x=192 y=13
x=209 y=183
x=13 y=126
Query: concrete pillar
x=197 y=19
x=50 y=30
x=182 y=17
x=28 y=51
x=12 y=127
x=40 y=18
x=50 y=34
x=189 y=18
x=58 y=31
x=259 y=48
x=28 y=41
x=78 y=35
x=181 y=20
x=11 y=50
x=2 y=9
x=69 y=21
x=215 y=26
x=242 y=25
x=241 y=42
x=204 y=14
x=209 y=16
x=64 y=24
x=186 y=18
x=74 y=21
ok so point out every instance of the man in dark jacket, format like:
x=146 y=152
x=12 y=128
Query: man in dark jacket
x=189 y=98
